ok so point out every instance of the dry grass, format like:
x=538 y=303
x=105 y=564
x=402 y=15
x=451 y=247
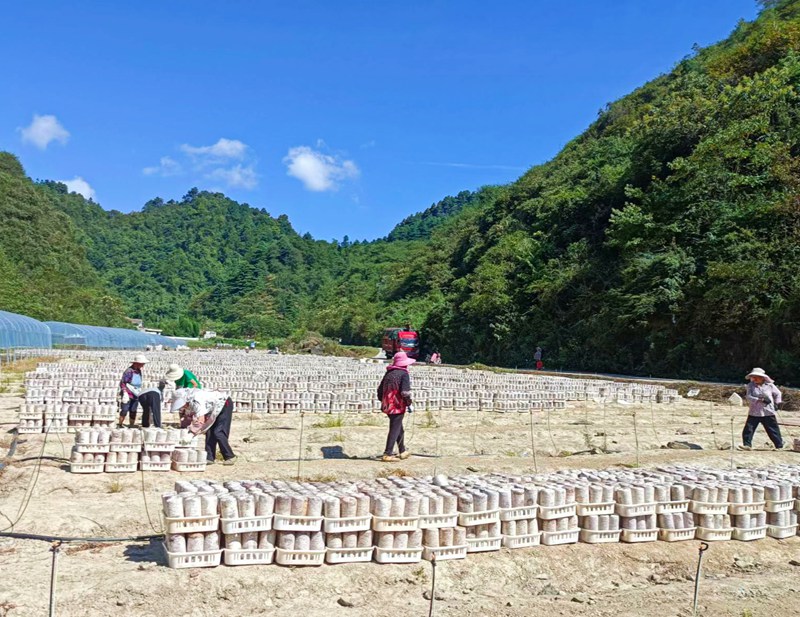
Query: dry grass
x=330 y=422
x=115 y=486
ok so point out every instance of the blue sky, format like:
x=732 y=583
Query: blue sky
x=347 y=116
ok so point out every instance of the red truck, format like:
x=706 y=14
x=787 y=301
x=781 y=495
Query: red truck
x=400 y=339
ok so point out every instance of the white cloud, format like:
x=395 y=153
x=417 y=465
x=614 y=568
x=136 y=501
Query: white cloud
x=223 y=149
x=79 y=185
x=42 y=131
x=166 y=167
x=318 y=171
x=238 y=176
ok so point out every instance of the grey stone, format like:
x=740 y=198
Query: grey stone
x=735 y=400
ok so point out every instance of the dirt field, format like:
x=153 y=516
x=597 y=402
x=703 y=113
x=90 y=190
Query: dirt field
x=640 y=580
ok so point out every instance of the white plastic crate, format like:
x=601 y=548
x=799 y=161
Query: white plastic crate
x=299 y=558
x=398 y=555
x=470 y=519
x=748 y=535
x=522 y=541
x=636 y=535
x=596 y=536
x=92 y=448
x=184 y=467
x=193 y=524
x=125 y=447
x=29 y=430
x=345 y=524
x=676 y=535
x=780 y=533
x=635 y=509
x=523 y=513
x=204 y=559
x=244 y=557
x=554 y=538
x=713 y=535
x=86 y=467
x=242 y=525
x=739 y=509
x=154 y=466
x=707 y=507
x=395 y=523
x=348 y=555
x=779 y=506
x=548 y=513
x=482 y=545
x=121 y=467
x=287 y=522
x=437 y=521
x=595 y=509
x=444 y=553
x=672 y=507
x=152 y=446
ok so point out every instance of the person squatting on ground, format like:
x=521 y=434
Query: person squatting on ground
x=130 y=387
x=394 y=393
x=150 y=401
x=210 y=412
x=763 y=398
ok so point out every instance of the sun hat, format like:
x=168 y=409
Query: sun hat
x=174 y=372
x=758 y=372
x=139 y=359
x=179 y=398
x=402 y=360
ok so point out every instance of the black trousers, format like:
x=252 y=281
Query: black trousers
x=151 y=404
x=770 y=424
x=396 y=434
x=219 y=433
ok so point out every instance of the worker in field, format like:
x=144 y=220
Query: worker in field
x=209 y=412
x=537 y=358
x=150 y=401
x=183 y=378
x=763 y=398
x=394 y=393
x=130 y=387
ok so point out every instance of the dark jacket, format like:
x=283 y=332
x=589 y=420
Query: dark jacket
x=394 y=393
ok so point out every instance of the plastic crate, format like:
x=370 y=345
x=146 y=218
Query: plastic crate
x=86 y=467
x=437 y=521
x=470 y=519
x=244 y=557
x=672 y=507
x=121 y=467
x=747 y=508
x=713 y=535
x=523 y=541
x=748 y=535
x=242 y=525
x=444 y=553
x=287 y=522
x=286 y=557
x=594 y=509
x=125 y=447
x=348 y=555
x=595 y=536
x=152 y=446
x=92 y=448
x=780 y=533
x=707 y=507
x=636 y=535
x=677 y=535
x=779 y=506
x=482 y=545
x=523 y=513
x=29 y=430
x=398 y=555
x=554 y=538
x=204 y=559
x=548 y=513
x=635 y=509
x=184 y=467
x=194 y=524
x=154 y=466
x=395 y=523
x=345 y=524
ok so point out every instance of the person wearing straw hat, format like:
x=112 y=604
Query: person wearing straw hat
x=209 y=412
x=130 y=387
x=763 y=398
x=183 y=378
x=394 y=393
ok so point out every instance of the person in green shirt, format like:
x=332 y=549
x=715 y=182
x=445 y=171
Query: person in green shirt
x=182 y=377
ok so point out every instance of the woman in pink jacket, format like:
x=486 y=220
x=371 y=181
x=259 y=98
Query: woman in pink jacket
x=394 y=393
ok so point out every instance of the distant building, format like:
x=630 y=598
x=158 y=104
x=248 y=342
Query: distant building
x=209 y=334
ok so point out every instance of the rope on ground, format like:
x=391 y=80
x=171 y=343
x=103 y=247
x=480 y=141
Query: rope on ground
x=72 y=539
x=146 y=507
x=26 y=497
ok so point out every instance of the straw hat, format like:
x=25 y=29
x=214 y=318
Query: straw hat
x=759 y=372
x=402 y=360
x=174 y=372
x=139 y=359
x=179 y=398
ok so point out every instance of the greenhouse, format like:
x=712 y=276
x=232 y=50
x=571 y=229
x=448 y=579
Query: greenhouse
x=99 y=337
x=19 y=331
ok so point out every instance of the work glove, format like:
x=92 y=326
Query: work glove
x=125 y=398
x=410 y=409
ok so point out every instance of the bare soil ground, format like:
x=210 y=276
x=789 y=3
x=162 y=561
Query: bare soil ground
x=642 y=580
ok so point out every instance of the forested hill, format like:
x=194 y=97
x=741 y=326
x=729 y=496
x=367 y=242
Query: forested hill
x=419 y=226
